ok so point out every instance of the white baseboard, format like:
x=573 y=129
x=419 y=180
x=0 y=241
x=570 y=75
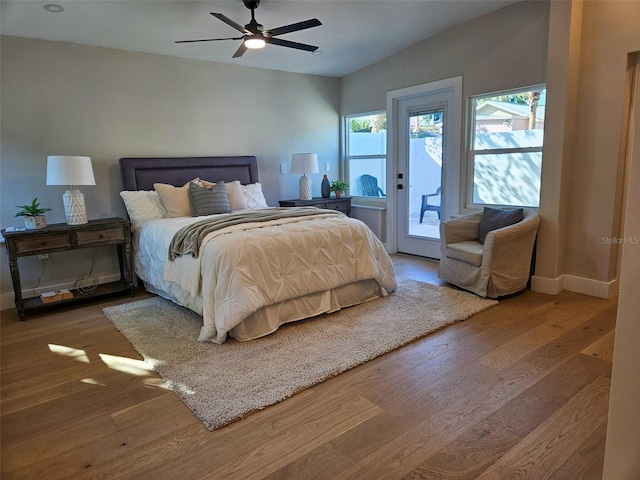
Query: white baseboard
x=586 y=286
x=550 y=286
x=7 y=299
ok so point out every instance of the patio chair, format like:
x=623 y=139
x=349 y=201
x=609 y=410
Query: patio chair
x=370 y=186
x=426 y=206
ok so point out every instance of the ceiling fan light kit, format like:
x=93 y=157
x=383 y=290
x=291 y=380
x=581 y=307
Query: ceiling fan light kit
x=254 y=36
x=254 y=42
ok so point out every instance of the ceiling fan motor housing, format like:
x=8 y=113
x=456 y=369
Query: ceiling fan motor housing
x=251 y=4
x=254 y=27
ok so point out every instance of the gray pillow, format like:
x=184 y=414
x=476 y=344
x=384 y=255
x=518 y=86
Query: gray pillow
x=494 y=218
x=209 y=201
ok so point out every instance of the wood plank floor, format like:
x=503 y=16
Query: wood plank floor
x=517 y=391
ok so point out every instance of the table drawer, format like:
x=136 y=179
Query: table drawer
x=99 y=237
x=341 y=206
x=44 y=244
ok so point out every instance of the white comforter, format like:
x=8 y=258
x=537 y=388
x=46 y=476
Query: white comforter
x=246 y=267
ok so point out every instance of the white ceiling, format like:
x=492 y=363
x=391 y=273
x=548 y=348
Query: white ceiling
x=353 y=34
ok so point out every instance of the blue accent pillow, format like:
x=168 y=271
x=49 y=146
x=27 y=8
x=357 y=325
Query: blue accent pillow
x=494 y=218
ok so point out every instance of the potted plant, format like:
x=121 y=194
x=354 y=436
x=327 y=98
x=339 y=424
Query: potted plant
x=339 y=187
x=33 y=215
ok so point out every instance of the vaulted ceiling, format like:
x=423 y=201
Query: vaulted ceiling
x=353 y=34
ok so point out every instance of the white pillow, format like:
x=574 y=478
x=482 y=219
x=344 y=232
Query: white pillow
x=242 y=196
x=142 y=205
x=253 y=196
x=236 y=195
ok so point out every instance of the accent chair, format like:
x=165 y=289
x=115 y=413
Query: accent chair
x=498 y=266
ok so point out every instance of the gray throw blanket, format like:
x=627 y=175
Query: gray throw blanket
x=188 y=239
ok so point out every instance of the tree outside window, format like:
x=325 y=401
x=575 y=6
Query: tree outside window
x=506 y=147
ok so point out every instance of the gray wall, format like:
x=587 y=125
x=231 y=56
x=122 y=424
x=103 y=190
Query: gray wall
x=610 y=31
x=510 y=48
x=65 y=99
x=505 y=49
x=500 y=50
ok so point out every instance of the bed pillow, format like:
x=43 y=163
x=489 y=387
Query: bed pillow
x=236 y=196
x=209 y=200
x=176 y=200
x=253 y=196
x=494 y=218
x=142 y=205
x=243 y=196
x=234 y=193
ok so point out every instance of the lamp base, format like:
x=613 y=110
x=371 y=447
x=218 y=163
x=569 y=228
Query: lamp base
x=305 y=188
x=74 y=208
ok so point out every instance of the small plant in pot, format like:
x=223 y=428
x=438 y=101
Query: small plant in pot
x=339 y=187
x=33 y=215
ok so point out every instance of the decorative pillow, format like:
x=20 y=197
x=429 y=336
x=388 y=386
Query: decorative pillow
x=236 y=195
x=209 y=201
x=142 y=205
x=176 y=200
x=494 y=218
x=242 y=196
x=253 y=196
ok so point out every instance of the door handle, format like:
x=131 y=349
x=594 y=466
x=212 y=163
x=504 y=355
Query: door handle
x=400 y=186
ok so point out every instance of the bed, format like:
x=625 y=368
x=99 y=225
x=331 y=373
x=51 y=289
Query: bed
x=261 y=267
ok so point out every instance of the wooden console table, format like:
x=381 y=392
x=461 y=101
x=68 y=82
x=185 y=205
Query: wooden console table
x=60 y=237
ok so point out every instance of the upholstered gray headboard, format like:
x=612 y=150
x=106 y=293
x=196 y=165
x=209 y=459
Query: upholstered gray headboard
x=142 y=173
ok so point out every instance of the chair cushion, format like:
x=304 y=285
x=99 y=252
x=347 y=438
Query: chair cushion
x=468 y=252
x=494 y=218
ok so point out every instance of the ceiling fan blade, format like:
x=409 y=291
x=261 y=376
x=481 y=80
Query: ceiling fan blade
x=290 y=44
x=241 y=49
x=230 y=22
x=209 y=40
x=294 y=27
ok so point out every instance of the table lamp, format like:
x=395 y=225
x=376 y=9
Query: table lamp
x=71 y=170
x=304 y=163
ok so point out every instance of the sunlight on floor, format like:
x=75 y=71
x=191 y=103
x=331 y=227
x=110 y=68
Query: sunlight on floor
x=75 y=353
x=139 y=368
x=92 y=381
x=126 y=365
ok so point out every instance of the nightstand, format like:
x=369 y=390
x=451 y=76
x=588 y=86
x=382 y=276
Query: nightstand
x=60 y=237
x=342 y=204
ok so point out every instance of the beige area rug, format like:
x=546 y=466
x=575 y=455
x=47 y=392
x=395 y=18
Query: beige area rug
x=222 y=383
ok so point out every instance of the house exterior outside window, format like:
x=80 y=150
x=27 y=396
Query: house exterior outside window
x=505 y=150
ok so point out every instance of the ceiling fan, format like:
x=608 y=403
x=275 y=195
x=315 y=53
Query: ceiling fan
x=254 y=35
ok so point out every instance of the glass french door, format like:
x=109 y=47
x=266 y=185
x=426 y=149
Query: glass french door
x=424 y=147
x=422 y=157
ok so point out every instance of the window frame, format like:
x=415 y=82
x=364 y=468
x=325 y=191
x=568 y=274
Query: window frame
x=470 y=205
x=361 y=199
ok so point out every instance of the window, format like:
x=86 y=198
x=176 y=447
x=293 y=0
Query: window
x=505 y=150
x=366 y=154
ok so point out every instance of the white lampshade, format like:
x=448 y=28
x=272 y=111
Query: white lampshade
x=71 y=170
x=304 y=163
